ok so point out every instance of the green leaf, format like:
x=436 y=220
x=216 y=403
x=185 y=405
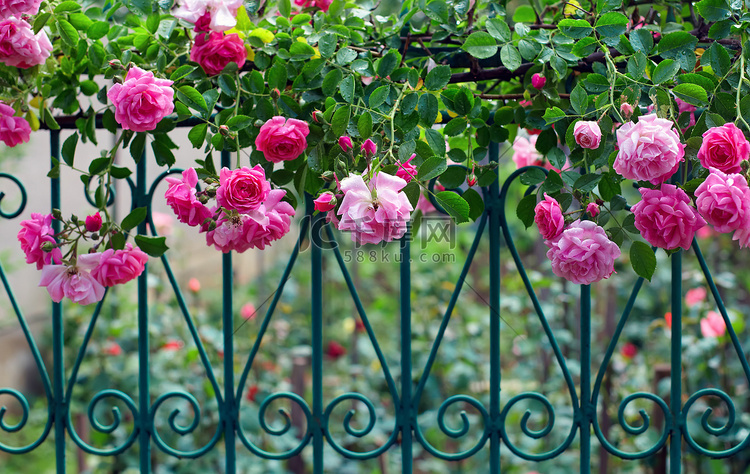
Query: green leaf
x=388 y=63
x=713 y=10
x=277 y=77
x=345 y=56
x=673 y=44
x=135 y=217
x=553 y=115
x=137 y=146
x=456 y=126
x=611 y=24
x=331 y=82
x=642 y=40
x=575 y=29
x=40 y=21
x=182 y=71
x=608 y=187
x=162 y=153
x=579 y=99
x=153 y=246
x=285 y=8
x=327 y=45
x=379 y=96
x=347 y=88
x=476 y=204
x=68 y=33
x=481 y=45
x=454 y=205
x=192 y=98
x=98 y=166
x=197 y=135
x=437 y=78
x=428 y=109
x=525 y=210
x=69 y=149
x=718 y=59
x=436 y=141
x=364 y=125
x=643 y=259
x=510 y=57
x=54 y=172
x=665 y=71
x=587 y=182
x=432 y=168
x=524 y=14
x=533 y=176
x=89 y=87
x=340 y=120
x=498 y=29
x=67 y=7
x=691 y=93
x=239 y=122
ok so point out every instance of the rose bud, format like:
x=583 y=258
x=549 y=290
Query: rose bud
x=94 y=222
x=275 y=93
x=345 y=143
x=626 y=110
x=471 y=180
x=592 y=209
x=325 y=202
x=538 y=81
x=369 y=148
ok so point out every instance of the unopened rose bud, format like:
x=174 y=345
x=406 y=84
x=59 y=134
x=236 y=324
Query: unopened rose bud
x=258 y=123
x=538 y=81
x=319 y=117
x=203 y=199
x=209 y=224
x=592 y=209
x=275 y=94
x=48 y=246
x=95 y=236
x=471 y=180
x=117 y=80
x=211 y=191
x=369 y=148
x=116 y=64
x=325 y=202
x=327 y=176
x=626 y=110
x=56 y=214
x=345 y=143
x=74 y=219
x=224 y=130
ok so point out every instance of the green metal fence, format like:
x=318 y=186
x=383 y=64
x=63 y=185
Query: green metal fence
x=496 y=434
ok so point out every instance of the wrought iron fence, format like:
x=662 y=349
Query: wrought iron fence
x=406 y=434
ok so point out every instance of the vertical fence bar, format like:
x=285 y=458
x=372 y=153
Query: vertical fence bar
x=495 y=208
x=58 y=362
x=230 y=405
x=317 y=333
x=586 y=408
x=144 y=382
x=675 y=393
x=407 y=416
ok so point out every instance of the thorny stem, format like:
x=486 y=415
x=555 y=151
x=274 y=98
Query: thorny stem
x=742 y=79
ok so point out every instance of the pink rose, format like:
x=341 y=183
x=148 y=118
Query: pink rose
x=592 y=209
x=194 y=285
x=215 y=50
x=322 y=4
x=724 y=148
x=723 y=200
x=524 y=152
x=181 y=197
x=626 y=110
x=281 y=139
x=743 y=236
x=222 y=13
x=549 y=218
x=713 y=325
x=229 y=234
x=665 y=218
x=119 y=266
x=34 y=233
x=162 y=223
x=649 y=150
x=376 y=211
x=369 y=148
x=279 y=214
x=407 y=171
x=18 y=8
x=13 y=130
x=582 y=253
x=248 y=311
x=695 y=296
x=538 y=81
x=142 y=100
x=345 y=143
x=243 y=189
x=94 y=222
x=74 y=282
x=587 y=134
x=325 y=202
x=629 y=350
x=683 y=106
x=20 y=47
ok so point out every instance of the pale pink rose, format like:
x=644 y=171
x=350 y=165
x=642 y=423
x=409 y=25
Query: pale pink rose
x=162 y=222
x=20 y=47
x=281 y=139
x=181 y=197
x=424 y=205
x=325 y=202
x=229 y=234
x=194 y=285
x=223 y=13
x=538 y=81
x=695 y=296
x=724 y=200
x=74 y=282
x=18 y=8
x=376 y=211
x=279 y=215
x=13 y=130
x=724 y=148
x=524 y=152
x=406 y=170
x=34 y=233
x=215 y=50
x=549 y=218
x=369 y=148
x=142 y=100
x=665 y=217
x=713 y=325
x=649 y=150
x=243 y=189
x=345 y=143
x=587 y=134
x=592 y=209
x=248 y=311
x=582 y=253
x=120 y=266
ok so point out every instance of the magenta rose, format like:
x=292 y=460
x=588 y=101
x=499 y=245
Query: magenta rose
x=20 y=47
x=74 y=282
x=215 y=50
x=94 y=222
x=665 y=217
x=345 y=143
x=325 y=202
x=369 y=148
x=724 y=148
x=587 y=134
x=13 y=130
x=582 y=253
x=538 y=81
x=34 y=233
x=406 y=170
x=243 y=189
x=723 y=200
x=18 y=8
x=181 y=197
x=142 y=100
x=281 y=139
x=549 y=217
x=119 y=266
x=649 y=150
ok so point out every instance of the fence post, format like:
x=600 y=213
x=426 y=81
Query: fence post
x=407 y=415
x=317 y=333
x=144 y=381
x=230 y=404
x=586 y=408
x=58 y=362
x=494 y=210
x=675 y=393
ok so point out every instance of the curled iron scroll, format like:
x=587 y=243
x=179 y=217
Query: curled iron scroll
x=24 y=197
